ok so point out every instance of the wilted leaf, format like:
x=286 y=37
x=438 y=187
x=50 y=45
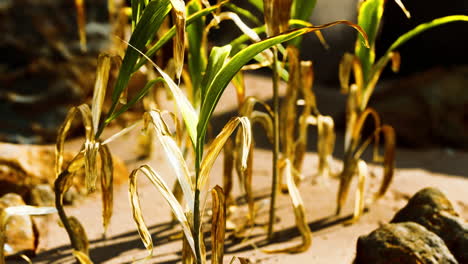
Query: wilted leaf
x=179 y=41
x=81 y=239
x=219 y=83
x=362 y=172
x=299 y=212
x=82 y=257
x=277 y=13
x=100 y=87
x=217 y=145
x=325 y=144
x=173 y=154
x=107 y=175
x=389 y=159
x=168 y=196
x=218 y=224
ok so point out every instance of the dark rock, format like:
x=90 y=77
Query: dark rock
x=403 y=243
x=431 y=209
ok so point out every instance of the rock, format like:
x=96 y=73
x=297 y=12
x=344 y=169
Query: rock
x=19 y=230
x=431 y=209
x=22 y=167
x=403 y=243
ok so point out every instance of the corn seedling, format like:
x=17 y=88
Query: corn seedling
x=366 y=72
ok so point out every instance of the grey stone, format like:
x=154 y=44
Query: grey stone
x=431 y=209
x=403 y=243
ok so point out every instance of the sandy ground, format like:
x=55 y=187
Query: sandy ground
x=333 y=242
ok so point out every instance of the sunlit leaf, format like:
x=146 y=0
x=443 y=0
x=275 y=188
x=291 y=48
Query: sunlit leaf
x=403 y=8
x=29 y=210
x=218 y=224
x=243 y=12
x=216 y=61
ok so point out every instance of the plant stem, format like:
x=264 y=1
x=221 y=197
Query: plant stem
x=276 y=143
x=196 y=207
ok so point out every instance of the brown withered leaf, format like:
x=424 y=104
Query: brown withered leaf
x=218 y=224
x=277 y=14
x=179 y=40
x=107 y=176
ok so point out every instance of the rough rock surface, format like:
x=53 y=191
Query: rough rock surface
x=431 y=209
x=19 y=230
x=23 y=167
x=403 y=243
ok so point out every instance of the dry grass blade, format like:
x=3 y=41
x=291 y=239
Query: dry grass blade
x=107 y=175
x=218 y=224
x=100 y=87
x=173 y=154
x=299 y=212
x=179 y=41
x=217 y=145
x=81 y=22
x=168 y=196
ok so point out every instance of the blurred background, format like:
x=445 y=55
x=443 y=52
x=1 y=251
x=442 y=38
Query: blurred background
x=43 y=70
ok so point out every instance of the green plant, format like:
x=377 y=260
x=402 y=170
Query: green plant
x=366 y=72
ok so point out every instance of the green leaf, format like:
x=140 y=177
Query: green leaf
x=171 y=32
x=301 y=9
x=149 y=23
x=243 y=12
x=227 y=72
x=258 y=4
x=423 y=27
x=134 y=100
x=216 y=61
x=370 y=14
x=196 y=51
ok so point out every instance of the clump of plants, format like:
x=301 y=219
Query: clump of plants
x=205 y=72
